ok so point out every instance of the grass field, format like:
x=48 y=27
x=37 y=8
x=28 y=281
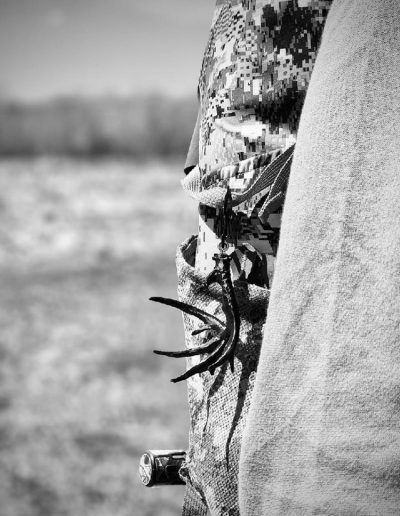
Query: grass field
x=82 y=247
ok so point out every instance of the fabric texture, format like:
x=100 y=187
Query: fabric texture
x=255 y=72
x=258 y=187
x=323 y=432
x=218 y=403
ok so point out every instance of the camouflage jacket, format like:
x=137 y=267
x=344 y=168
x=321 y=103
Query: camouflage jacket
x=254 y=76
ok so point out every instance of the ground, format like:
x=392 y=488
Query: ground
x=83 y=245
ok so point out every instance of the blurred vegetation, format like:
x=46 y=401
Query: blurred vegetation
x=137 y=127
x=83 y=245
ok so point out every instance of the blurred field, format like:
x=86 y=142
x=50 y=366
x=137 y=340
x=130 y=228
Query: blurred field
x=82 y=247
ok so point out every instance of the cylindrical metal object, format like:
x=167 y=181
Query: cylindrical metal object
x=160 y=467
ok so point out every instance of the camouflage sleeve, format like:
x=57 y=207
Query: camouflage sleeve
x=253 y=81
x=254 y=77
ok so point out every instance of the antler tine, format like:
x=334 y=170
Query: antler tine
x=190 y=352
x=228 y=355
x=231 y=342
x=201 y=330
x=213 y=321
x=203 y=366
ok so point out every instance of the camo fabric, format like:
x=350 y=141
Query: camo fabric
x=255 y=72
x=257 y=187
x=254 y=77
x=218 y=403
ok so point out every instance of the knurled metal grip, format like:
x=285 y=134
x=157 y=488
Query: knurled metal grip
x=161 y=467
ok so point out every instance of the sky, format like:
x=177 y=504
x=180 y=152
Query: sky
x=50 y=48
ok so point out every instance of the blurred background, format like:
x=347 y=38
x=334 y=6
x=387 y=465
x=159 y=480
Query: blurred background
x=97 y=106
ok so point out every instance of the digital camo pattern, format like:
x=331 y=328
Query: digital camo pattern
x=254 y=77
x=255 y=72
x=251 y=182
x=218 y=403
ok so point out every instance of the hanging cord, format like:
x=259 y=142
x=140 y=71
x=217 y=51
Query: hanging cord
x=227 y=223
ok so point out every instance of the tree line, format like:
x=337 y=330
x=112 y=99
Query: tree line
x=135 y=127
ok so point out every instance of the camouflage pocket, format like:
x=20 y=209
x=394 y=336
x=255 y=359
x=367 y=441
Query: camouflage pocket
x=218 y=403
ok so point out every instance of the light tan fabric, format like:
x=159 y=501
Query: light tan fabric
x=323 y=433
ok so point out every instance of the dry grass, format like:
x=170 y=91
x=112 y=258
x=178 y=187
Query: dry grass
x=82 y=247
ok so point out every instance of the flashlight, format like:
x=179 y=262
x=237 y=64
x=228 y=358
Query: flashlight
x=161 y=467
